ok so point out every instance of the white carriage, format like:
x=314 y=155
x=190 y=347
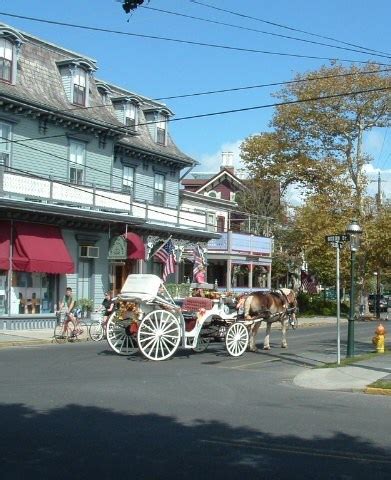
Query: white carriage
x=149 y=320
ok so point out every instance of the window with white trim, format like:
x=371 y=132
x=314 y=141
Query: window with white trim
x=5 y=144
x=131 y=115
x=161 y=130
x=158 y=193
x=77 y=155
x=80 y=86
x=128 y=179
x=6 y=59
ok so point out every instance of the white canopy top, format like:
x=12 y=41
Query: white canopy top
x=140 y=287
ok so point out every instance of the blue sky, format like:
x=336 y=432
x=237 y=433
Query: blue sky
x=161 y=68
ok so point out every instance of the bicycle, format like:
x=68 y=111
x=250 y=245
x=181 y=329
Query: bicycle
x=69 y=329
x=98 y=329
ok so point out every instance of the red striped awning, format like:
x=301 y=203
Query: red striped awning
x=40 y=248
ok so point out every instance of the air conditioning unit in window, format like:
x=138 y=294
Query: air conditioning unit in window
x=86 y=251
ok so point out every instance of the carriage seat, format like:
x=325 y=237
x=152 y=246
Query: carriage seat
x=190 y=307
x=193 y=304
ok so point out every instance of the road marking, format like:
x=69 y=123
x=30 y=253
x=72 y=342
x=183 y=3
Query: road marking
x=359 y=456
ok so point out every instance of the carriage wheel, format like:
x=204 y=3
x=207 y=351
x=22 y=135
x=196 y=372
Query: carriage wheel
x=236 y=339
x=119 y=336
x=96 y=331
x=159 y=335
x=202 y=344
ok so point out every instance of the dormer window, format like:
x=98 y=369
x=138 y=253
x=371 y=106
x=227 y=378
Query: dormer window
x=6 y=59
x=161 y=128
x=79 y=86
x=10 y=42
x=157 y=124
x=75 y=76
x=130 y=115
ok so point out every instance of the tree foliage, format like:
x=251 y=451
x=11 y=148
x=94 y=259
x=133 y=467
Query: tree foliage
x=318 y=144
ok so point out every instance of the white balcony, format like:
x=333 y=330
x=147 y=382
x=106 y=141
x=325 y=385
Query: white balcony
x=23 y=187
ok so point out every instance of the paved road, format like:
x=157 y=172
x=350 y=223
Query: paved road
x=80 y=411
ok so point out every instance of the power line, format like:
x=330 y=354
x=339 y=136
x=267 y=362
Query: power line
x=288 y=37
x=205 y=115
x=287 y=27
x=188 y=42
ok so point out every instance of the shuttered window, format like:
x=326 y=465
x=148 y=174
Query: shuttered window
x=77 y=153
x=5 y=144
x=159 y=182
x=128 y=180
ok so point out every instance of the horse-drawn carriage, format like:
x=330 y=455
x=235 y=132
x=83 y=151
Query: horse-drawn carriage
x=149 y=320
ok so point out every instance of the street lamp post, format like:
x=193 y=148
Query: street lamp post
x=354 y=231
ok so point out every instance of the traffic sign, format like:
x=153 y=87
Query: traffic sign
x=336 y=239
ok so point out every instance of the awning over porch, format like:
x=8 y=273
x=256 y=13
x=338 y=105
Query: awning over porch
x=136 y=247
x=40 y=248
x=5 y=236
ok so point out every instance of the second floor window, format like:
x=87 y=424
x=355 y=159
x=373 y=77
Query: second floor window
x=6 y=58
x=5 y=144
x=77 y=153
x=79 y=86
x=158 y=196
x=128 y=180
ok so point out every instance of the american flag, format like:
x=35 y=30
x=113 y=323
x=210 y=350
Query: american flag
x=309 y=282
x=198 y=259
x=167 y=256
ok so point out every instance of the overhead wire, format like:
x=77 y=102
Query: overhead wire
x=287 y=37
x=112 y=175
x=268 y=22
x=188 y=42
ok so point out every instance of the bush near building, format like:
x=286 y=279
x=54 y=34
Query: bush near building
x=310 y=305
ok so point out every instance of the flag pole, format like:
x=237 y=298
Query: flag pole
x=161 y=246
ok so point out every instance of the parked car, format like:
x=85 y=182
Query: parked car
x=383 y=303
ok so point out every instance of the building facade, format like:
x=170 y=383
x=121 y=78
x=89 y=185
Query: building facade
x=89 y=179
x=239 y=259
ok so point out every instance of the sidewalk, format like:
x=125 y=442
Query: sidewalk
x=13 y=338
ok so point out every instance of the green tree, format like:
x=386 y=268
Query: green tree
x=319 y=144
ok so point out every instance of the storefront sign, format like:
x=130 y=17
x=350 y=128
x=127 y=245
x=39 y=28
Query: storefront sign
x=118 y=248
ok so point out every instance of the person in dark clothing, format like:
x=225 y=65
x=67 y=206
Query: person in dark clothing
x=107 y=306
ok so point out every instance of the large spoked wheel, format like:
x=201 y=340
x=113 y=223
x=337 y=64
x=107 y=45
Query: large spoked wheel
x=96 y=331
x=202 y=344
x=159 y=335
x=120 y=336
x=236 y=340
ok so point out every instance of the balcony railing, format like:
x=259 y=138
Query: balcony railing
x=50 y=191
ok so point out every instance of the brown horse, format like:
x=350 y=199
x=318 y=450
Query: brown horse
x=271 y=307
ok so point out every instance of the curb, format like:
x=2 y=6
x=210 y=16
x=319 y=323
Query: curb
x=21 y=343
x=377 y=391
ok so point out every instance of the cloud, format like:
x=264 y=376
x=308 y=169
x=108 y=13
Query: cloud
x=211 y=162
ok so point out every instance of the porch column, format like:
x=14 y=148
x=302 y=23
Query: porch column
x=269 y=277
x=229 y=273
x=250 y=275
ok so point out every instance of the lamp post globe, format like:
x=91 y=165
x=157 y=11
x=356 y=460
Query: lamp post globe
x=354 y=231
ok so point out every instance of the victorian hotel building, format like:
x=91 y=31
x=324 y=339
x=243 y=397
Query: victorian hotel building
x=89 y=181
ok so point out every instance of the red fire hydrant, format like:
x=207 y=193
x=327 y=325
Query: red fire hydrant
x=378 y=339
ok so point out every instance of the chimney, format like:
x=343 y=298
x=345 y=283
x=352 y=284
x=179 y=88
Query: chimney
x=227 y=162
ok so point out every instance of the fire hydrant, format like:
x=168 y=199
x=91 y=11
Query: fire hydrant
x=378 y=339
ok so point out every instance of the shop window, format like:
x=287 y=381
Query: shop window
x=3 y=292
x=32 y=293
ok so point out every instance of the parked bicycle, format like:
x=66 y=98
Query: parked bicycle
x=69 y=328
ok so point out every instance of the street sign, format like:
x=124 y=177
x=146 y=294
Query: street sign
x=335 y=240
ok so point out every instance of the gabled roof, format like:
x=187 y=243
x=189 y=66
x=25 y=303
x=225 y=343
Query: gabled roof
x=219 y=177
